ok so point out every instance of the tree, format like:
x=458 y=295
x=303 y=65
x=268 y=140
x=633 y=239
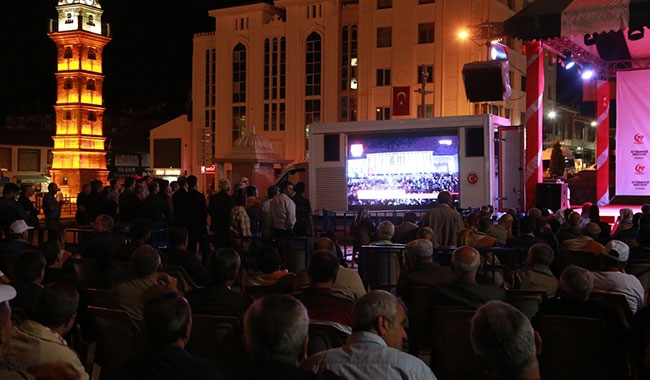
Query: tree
x=557 y=160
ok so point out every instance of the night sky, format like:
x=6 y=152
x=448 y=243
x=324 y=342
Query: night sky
x=148 y=62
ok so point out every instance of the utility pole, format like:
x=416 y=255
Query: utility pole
x=423 y=91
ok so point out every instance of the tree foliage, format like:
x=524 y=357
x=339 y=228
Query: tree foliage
x=557 y=160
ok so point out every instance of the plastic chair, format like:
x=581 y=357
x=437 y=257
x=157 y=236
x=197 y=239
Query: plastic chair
x=527 y=301
x=184 y=282
x=87 y=272
x=323 y=336
x=380 y=266
x=641 y=269
x=452 y=354
x=119 y=341
x=578 y=348
x=219 y=339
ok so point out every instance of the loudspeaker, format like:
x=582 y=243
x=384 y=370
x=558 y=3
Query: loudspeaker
x=552 y=196
x=487 y=80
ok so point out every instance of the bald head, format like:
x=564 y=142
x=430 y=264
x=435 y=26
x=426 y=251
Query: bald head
x=324 y=243
x=506 y=220
x=466 y=261
x=574 y=219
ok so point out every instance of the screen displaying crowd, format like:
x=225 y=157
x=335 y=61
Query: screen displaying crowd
x=396 y=171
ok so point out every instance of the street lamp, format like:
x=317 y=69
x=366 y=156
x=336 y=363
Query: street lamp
x=423 y=91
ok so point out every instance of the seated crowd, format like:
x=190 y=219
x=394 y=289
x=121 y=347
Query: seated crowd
x=572 y=260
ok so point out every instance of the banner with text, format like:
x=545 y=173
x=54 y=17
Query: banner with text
x=633 y=133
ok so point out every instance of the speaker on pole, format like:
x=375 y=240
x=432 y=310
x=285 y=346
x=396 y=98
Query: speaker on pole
x=487 y=81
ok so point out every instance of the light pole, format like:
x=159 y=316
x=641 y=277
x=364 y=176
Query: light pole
x=423 y=91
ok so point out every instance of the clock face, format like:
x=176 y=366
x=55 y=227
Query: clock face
x=90 y=2
x=69 y=1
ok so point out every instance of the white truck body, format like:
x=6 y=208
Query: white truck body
x=482 y=161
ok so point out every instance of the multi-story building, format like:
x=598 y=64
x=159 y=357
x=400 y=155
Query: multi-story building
x=277 y=67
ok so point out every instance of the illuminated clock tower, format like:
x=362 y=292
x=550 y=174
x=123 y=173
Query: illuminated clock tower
x=80 y=37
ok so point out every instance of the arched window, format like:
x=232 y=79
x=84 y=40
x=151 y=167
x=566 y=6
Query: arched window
x=67 y=52
x=92 y=116
x=67 y=84
x=92 y=53
x=90 y=85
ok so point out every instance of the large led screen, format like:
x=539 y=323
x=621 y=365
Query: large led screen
x=400 y=171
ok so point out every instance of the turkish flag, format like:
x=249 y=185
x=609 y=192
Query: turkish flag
x=401 y=105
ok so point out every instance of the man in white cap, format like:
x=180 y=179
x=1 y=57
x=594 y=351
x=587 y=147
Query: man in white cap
x=612 y=279
x=7 y=370
x=18 y=237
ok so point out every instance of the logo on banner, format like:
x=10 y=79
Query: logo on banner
x=472 y=178
x=639 y=169
x=638 y=138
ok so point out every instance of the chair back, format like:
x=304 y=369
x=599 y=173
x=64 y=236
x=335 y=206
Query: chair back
x=640 y=269
x=380 y=266
x=87 y=272
x=284 y=285
x=527 y=301
x=452 y=355
x=96 y=297
x=576 y=348
x=586 y=260
x=419 y=317
x=618 y=302
x=323 y=336
x=184 y=282
x=219 y=339
x=119 y=340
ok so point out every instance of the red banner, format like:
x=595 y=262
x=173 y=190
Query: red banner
x=401 y=105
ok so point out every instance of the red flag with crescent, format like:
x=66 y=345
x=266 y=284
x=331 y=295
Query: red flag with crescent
x=401 y=105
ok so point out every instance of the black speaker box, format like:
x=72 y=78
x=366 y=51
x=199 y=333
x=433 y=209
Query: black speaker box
x=486 y=81
x=552 y=196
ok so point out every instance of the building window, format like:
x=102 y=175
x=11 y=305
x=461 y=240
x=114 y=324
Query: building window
x=90 y=85
x=275 y=80
x=349 y=59
x=239 y=74
x=241 y=23
x=383 y=77
x=68 y=115
x=384 y=37
x=348 y=108
x=92 y=53
x=50 y=156
x=426 y=1
x=92 y=116
x=382 y=113
x=29 y=160
x=67 y=84
x=238 y=122
x=428 y=110
x=313 y=65
x=383 y=4
x=5 y=158
x=428 y=69
x=507 y=113
x=67 y=52
x=210 y=77
x=425 y=33
x=314 y=11
x=523 y=83
x=312 y=111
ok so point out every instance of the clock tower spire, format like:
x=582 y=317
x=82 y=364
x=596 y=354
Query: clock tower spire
x=80 y=37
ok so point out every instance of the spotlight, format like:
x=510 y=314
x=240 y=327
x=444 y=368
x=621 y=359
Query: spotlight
x=590 y=39
x=568 y=60
x=587 y=74
x=552 y=114
x=635 y=34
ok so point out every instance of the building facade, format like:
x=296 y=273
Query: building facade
x=275 y=69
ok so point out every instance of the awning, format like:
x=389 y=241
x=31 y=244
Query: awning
x=599 y=30
x=22 y=179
